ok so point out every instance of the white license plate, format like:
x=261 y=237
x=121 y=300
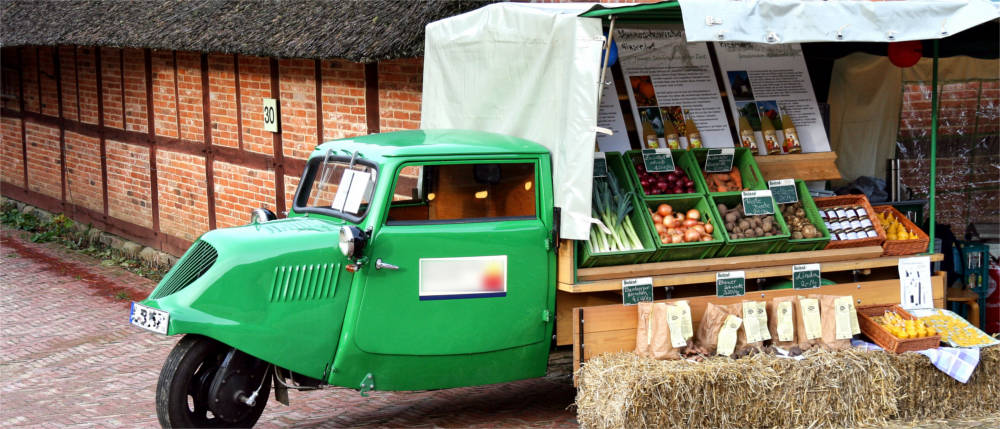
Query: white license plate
x=149 y=318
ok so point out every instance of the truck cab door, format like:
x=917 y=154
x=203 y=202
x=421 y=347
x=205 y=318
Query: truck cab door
x=461 y=263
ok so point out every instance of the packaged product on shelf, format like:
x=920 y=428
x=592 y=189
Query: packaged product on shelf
x=781 y=321
x=656 y=337
x=712 y=323
x=835 y=313
x=808 y=325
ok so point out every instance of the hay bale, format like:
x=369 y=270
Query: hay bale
x=846 y=388
x=927 y=393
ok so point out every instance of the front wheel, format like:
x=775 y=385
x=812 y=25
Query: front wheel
x=205 y=383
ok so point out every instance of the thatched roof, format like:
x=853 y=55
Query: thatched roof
x=357 y=30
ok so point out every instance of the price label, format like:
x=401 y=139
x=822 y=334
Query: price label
x=806 y=276
x=750 y=324
x=719 y=160
x=674 y=315
x=730 y=283
x=915 y=282
x=757 y=203
x=784 y=191
x=637 y=290
x=786 y=321
x=687 y=330
x=600 y=165
x=658 y=160
x=727 y=335
x=810 y=318
x=842 y=316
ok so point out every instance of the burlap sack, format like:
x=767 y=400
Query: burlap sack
x=707 y=335
x=772 y=321
x=801 y=339
x=828 y=309
x=643 y=331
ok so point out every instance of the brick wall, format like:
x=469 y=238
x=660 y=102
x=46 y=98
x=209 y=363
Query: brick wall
x=968 y=149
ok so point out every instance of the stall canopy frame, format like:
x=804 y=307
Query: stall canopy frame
x=954 y=16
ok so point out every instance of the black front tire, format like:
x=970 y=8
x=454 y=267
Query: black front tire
x=182 y=392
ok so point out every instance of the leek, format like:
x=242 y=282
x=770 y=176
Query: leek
x=612 y=207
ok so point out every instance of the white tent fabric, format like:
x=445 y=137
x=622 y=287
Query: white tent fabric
x=788 y=21
x=529 y=71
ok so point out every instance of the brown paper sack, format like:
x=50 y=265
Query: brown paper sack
x=827 y=313
x=662 y=347
x=801 y=340
x=772 y=321
x=707 y=336
x=643 y=334
x=741 y=334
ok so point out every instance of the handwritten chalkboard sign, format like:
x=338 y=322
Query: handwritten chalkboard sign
x=784 y=191
x=719 y=160
x=658 y=160
x=730 y=283
x=806 y=276
x=757 y=203
x=600 y=165
x=637 y=290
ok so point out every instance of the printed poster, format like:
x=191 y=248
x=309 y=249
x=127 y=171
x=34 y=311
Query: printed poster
x=671 y=85
x=610 y=116
x=765 y=82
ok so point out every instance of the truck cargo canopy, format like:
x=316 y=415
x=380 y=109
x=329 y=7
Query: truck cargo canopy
x=526 y=70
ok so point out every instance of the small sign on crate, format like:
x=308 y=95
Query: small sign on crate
x=806 y=276
x=600 y=164
x=783 y=190
x=658 y=160
x=730 y=283
x=637 y=290
x=757 y=203
x=719 y=160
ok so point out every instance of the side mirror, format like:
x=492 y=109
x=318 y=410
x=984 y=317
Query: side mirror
x=352 y=241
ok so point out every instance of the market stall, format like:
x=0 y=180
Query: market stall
x=700 y=204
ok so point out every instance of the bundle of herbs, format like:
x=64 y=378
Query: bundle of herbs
x=612 y=207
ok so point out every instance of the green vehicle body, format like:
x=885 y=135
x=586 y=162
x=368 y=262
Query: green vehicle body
x=280 y=290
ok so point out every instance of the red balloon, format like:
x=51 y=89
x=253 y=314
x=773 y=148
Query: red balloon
x=905 y=54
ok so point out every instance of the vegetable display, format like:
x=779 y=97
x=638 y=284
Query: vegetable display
x=612 y=206
x=739 y=225
x=681 y=227
x=894 y=229
x=674 y=182
x=798 y=224
x=725 y=182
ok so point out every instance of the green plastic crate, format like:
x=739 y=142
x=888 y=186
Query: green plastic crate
x=685 y=251
x=747 y=246
x=683 y=160
x=742 y=159
x=812 y=213
x=616 y=165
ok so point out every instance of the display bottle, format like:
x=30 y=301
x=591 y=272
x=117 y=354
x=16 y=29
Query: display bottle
x=792 y=144
x=747 y=137
x=693 y=136
x=670 y=133
x=770 y=136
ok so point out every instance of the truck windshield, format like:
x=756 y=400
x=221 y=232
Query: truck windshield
x=334 y=187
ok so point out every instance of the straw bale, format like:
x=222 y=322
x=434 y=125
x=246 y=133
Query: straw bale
x=925 y=392
x=845 y=388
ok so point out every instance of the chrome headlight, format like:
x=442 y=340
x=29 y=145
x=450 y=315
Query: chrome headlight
x=261 y=215
x=352 y=240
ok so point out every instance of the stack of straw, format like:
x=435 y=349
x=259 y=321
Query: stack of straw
x=845 y=388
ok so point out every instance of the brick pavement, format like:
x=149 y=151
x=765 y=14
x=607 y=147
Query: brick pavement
x=69 y=359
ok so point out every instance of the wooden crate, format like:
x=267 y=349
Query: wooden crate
x=903 y=247
x=884 y=338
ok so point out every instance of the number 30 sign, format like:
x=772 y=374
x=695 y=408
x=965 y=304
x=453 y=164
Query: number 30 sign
x=271 y=115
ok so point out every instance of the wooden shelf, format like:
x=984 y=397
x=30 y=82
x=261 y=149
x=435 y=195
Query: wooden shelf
x=805 y=166
x=755 y=266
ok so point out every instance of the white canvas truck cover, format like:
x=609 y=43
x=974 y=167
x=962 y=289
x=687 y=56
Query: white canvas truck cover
x=524 y=70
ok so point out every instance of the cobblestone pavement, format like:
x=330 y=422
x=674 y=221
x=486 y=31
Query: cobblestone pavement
x=68 y=358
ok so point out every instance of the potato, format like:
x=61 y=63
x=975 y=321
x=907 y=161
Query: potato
x=722 y=208
x=743 y=224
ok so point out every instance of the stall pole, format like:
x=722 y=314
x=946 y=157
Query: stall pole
x=604 y=63
x=934 y=133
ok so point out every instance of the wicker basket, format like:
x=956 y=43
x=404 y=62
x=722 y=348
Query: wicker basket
x=884 y=338
x=852 y=200
x=903 y=247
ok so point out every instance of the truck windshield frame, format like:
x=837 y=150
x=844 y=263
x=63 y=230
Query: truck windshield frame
x=315 y=167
